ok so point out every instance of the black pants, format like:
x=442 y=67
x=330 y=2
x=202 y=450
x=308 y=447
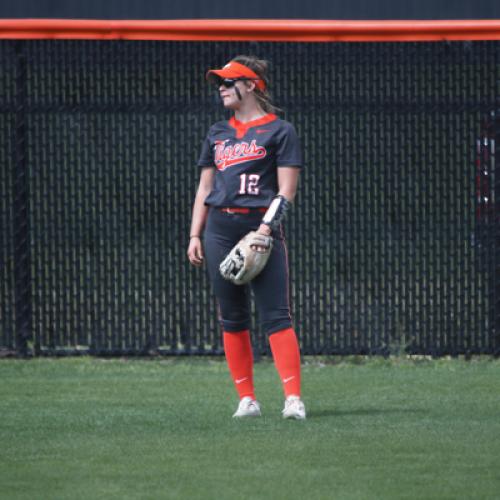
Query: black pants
x=270 y=287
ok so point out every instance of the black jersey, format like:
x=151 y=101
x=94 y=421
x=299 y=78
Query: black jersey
x=246 y=157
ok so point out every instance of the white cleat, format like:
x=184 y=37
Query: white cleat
x=248 y=407
x=294 y=408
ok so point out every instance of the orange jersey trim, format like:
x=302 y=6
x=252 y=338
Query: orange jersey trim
x=281 y=30
x=242 y=128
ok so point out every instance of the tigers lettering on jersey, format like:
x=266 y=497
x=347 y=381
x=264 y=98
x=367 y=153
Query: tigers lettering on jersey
x=246 y=157
x=234 y=154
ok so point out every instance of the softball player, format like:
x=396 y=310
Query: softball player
x=250 y=166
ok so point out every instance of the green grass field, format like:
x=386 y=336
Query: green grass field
x=85 y=428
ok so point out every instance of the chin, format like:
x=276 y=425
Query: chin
x=231 y=105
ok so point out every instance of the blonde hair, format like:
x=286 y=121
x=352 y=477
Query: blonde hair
x=260 y=67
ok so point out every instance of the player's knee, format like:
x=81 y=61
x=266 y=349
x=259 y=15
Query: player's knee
x=275 y=325
x=235 y=325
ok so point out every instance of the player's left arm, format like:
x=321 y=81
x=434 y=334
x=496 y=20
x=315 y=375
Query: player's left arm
x=288 y=180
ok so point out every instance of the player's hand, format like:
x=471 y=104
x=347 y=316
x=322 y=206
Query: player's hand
x=195 y=251
x=266 y=231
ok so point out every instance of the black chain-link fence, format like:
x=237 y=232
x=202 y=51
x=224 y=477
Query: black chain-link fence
x=394 y=238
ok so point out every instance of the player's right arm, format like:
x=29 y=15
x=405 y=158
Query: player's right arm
x=199 y=217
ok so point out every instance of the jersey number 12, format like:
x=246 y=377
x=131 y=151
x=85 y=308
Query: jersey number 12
x=249 y=184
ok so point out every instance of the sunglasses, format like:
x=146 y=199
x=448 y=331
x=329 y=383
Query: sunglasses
x=230 y=82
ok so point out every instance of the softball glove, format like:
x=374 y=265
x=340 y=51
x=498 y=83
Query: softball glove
x=244 y=262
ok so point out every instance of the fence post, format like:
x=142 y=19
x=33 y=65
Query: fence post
x=22 y=245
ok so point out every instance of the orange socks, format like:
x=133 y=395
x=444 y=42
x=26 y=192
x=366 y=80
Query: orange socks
x=239 y=356
x=286 y=354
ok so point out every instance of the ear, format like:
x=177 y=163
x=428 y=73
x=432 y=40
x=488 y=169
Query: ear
x=250 y=85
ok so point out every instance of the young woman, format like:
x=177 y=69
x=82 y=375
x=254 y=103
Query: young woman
x=250 y=166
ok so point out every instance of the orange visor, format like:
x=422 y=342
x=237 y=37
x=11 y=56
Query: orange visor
x=233 y=71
